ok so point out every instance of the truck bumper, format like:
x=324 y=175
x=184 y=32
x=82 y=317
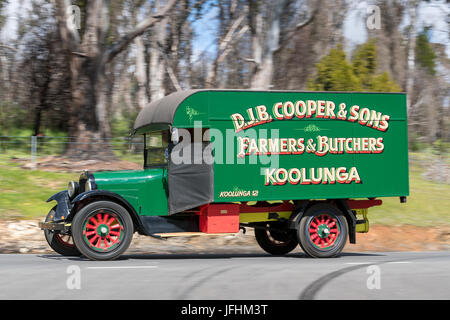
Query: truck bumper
x=55 y=226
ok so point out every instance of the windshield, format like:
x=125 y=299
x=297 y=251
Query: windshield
x=156 y=148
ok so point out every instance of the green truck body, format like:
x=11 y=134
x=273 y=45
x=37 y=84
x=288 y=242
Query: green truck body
x=308 y=145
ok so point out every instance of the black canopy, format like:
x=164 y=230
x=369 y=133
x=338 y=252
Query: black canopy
x=161 y=111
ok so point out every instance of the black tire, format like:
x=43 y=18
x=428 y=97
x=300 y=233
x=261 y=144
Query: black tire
x=62 y=244
x=97 y=215
x=321 y=238
x=276 y=242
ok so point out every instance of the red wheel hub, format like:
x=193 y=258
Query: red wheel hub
x=103 y=231
x=323 y=231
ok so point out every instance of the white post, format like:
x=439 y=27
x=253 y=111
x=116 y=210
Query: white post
x=33 y=151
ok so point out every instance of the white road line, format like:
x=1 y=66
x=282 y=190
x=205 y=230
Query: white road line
x=124 y=267
x=369 y=263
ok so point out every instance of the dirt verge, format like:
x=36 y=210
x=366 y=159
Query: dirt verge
x=61 y=164
x=24 y=236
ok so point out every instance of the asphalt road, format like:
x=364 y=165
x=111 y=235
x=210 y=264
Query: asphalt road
x=380 y=275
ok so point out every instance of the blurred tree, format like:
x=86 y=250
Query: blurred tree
x=141 y=74
x=3 y=4
x=45 y=79
x=364 y=63
x=425 y=55
x=160 y=51
x=335 y=73
x=265 y=20
x=302 y=49
x=232 y=27
x=382 y=83
x=430 y=90
x=90 y=81
x=411 y=48
x=90 y=53
x=390 y=38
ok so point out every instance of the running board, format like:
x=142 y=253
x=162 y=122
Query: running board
x=190 y=234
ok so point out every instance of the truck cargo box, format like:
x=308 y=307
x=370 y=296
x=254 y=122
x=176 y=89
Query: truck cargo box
x=284 y=145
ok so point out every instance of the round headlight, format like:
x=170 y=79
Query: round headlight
x=88 y=185
x=72 y=189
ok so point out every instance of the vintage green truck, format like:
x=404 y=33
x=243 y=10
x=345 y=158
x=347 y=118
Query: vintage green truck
x=297 y=167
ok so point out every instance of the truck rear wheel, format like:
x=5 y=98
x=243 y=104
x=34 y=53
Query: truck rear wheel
x=60 y=243
x=102 y=230
x=323 y=231
x=276 y=242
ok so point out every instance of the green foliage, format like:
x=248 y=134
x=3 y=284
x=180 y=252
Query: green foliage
x=335 y=73
x=425 y=55
x=123 y=125
x=13 y=117
x=441 y=147
x=382 y=83
x=3 y=4
x=416 y=144
x=365 y=62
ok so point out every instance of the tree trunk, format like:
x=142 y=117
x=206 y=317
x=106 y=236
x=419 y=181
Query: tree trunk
x=157 y=67
x=89 y=126
x=141 y=75
x=88 y=123
x=224 y=48
x=411 y=53
x=263 y=50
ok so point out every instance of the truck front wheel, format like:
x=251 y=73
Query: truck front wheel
x=60 y=243
x=102 y=230
x=322 y=231
x=275 y=241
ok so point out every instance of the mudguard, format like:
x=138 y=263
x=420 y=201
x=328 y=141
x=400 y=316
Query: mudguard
x=64 y=207
x=301 y=207
x=104 y=194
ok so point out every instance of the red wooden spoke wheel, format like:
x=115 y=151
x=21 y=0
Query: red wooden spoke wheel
x=64 y=239
x=103 y=231
x=323 y=231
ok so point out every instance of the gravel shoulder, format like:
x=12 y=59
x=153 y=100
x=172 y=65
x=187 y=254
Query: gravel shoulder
x=24 y=236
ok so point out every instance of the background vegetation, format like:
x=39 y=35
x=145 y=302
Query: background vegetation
x=88 y=83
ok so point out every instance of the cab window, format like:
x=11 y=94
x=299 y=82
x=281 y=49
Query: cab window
x=156 y=148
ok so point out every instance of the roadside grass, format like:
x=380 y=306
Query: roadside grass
x=130 y=157
x=428 y=204
x=23 y=193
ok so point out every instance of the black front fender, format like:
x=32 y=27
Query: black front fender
x=64 y=206
x=104 y=194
